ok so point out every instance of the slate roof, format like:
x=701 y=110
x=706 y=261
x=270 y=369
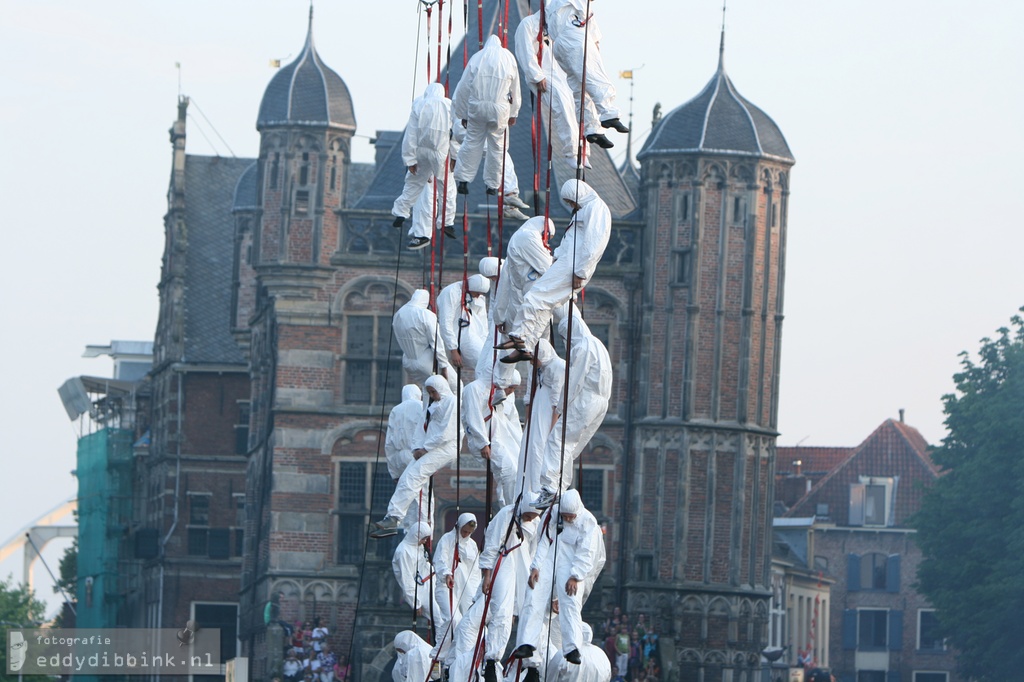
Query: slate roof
x=718 y=121
x=246 y=197
x=210 y=189
x=893 y=449
x=604 y=177
x=307 y=92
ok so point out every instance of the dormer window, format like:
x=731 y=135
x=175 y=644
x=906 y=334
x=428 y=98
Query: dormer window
x=872 y=501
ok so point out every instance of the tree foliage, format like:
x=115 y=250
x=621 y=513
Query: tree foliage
x=971 y=524
x=18 y=606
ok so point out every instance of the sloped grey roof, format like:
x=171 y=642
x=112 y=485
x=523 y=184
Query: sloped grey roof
x=246 y=194
x=718 y=121
x=604 y=177
x=210 y=183
x=307 y=92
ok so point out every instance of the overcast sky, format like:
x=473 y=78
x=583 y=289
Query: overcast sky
x=905 y=238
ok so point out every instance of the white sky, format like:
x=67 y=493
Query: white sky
x=905 y=236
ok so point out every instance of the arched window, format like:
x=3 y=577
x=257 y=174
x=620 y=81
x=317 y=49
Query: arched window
x=371 y=360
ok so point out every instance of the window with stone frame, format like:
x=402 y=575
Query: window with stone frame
x=362 y=495
x=372 y=360
x=592 y=490
x=198 y=524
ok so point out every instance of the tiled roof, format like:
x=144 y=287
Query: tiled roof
x=307 y=92
x=604 y=177
x=894 y=449
x=210 y=188
x=812 y=459
x=718 y=121
x=246 y=194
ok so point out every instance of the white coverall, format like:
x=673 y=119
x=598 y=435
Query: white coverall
x=496 y=429
x=590 y=388
x=486 y=97
x=542 y=412
x=594 y=664
x=580 y=555
x=513 y=571
x=403 y=421
x=472 y=321
x=414 y=662
x=415 y=329
x=424 y=145
x=457 y=557
x=557 y=98
x=412 y=570
x=527 y=258
x=582 y=245
x=536 y=615
x=443 y=213
x=440 y=440
x=571 y=31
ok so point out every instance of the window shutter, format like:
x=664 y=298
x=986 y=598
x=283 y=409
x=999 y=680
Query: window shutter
x=852 y=573
x=892 y=577
x=857 y=504
x=895 y=630
x=850 y=629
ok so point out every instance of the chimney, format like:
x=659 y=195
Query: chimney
x=798 y=463
x=901 y=415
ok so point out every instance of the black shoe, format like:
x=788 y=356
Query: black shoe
x=616 y=124
x=417 y=243
x=398 y=221
x=517 y=356
x=574 y=657
x=490 y=672
x=492 y=191
x=523 y=651
x=601 y=140
x=462 y=188
x=532 y=675
x=449 y=231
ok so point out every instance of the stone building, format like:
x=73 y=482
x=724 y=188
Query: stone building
x=280 y=280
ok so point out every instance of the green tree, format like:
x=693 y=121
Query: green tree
x=971 y=523
x=67 y=581
x=18 y=607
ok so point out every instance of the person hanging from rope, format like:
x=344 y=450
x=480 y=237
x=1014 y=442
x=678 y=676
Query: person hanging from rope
x=492 y=428
x=424 y=148
x=404 y=422
x=535 y=642
x=586 y=403
x=415 y=330
x=487 y=101
x=434 y=448
x=414 y=662
x=456 y=582
x=526 y=259
x=466 y=311
x=576 y=259
x=411 y=565
x=504 y=564
x=547 y=80
x=489 y=267
x=580 y=559
x=542 y=412
x=594 y=665
x=576 y=39
x=434 y=211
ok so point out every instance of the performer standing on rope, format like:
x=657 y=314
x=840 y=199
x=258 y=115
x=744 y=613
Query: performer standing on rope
x=542 y=412
x=433 y=449
x=466 y=311
x=577 y=39
x=547 y=79
x=581 y=557
x=404 y=423
x=505 y=563
x=487 y=101
x=412 y=569
x=492 y=428
x=456 y=582
x=424 y=148
x=415 y=330
x=586 y=403
x=576 y=259
x=534 y=644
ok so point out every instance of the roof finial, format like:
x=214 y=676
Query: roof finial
x=721 y=42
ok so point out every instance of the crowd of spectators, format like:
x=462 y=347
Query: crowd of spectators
x=631 y=644
x=309 y=657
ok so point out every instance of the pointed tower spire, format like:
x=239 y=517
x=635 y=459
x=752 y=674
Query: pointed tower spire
x=721 y=42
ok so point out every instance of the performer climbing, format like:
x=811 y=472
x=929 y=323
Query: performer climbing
x=412 y=569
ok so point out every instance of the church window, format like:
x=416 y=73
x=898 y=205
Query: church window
x=334 y=173
x=682 y=267
x=738 y=209
x=301 y=202
x=304 y=169
x=371 y=376
x=684 y=207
